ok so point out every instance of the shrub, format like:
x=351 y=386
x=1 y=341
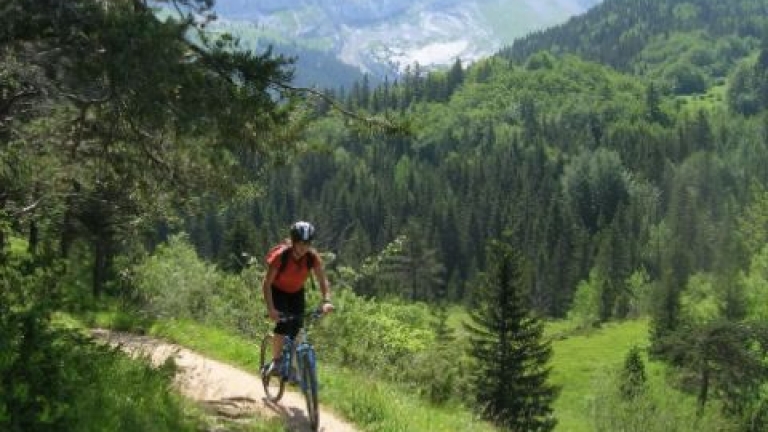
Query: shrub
x=55 y=379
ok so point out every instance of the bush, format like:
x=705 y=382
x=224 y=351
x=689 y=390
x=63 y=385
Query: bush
x=375 y=335
x=176 y=283
x=55 y=379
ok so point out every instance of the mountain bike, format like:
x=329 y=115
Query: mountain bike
x=298 y=365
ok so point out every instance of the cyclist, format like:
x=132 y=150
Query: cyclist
x=289 y=266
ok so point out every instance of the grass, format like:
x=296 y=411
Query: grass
x=581 y=361
x=370 y=404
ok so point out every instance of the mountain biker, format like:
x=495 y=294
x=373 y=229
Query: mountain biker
x=289 y=267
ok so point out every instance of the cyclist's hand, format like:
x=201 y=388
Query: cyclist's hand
x=327 y=307
x=274 y=315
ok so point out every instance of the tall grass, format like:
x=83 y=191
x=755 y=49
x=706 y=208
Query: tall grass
x=371 y=404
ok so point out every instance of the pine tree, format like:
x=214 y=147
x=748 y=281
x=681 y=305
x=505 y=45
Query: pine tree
x=633 y=375
x=511 y=386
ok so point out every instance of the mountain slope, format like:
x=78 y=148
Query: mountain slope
x=383 y=37
x=617 y=31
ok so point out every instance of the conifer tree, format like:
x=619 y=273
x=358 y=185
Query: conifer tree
x=633 y=375
x=510 y=382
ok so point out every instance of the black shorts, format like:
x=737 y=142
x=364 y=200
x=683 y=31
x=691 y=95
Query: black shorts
x=291 y=304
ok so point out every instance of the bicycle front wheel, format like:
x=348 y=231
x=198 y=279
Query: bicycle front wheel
x=308 y=369
x=274 y=384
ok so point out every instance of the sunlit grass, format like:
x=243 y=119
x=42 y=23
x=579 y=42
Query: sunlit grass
x=371 y=404
x=581 y=362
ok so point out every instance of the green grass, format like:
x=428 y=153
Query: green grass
x=580 y=363
x=580 y=360
x=377 y=406
x=370 y=404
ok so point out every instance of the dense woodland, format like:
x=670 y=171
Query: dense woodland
x=622 y=155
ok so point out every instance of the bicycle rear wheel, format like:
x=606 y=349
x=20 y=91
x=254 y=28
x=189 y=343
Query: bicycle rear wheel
x=308 y=370
x=274 y=384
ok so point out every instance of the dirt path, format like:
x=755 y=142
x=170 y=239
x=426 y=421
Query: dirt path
x=227 y=390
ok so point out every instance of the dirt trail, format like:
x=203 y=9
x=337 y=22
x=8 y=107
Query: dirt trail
x=229 y=391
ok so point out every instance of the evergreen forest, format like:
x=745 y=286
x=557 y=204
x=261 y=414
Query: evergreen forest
x=611 y=169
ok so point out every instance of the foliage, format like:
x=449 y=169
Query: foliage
x=653 y=411
x=633 y=376
x=379 y=336
x=130 y=118
x=701 y=302
x=594 y=186
x=585 y=310
x=627 y=34
x=755 y=286
x=721 y=360
x=54 y=378
x=175 y=283
x=510 y=377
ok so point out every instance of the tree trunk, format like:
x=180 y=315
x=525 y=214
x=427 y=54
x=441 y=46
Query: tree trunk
x=2 y=246
x=704 y=387
x=34 y=238
x=101 y=263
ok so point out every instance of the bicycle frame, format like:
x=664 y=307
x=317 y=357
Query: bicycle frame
x=297 y=351
x=294 y=347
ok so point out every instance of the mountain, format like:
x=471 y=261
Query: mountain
x=383 y=37
x=618 y=32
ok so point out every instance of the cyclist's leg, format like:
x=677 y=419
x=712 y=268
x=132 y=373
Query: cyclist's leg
x=292 y=304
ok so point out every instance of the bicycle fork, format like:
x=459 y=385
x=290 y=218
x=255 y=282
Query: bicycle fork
x=305 y=359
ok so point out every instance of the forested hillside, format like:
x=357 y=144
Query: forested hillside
x=591 y=169
x=610 y=168
x=623 y=153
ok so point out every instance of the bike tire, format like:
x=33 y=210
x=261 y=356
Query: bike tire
x=309 y=387
x=274 y=385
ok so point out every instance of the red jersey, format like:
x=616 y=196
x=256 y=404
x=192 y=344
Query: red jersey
x=295 y=273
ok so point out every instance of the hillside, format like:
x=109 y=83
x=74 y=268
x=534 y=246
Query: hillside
x=147 y=165
x=382 y=38
x=619 y=33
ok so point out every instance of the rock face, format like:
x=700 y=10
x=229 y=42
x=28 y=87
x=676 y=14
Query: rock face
x=394 y=34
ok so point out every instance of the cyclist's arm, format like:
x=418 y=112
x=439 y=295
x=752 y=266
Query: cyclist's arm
x=322 y=280
x=266 y=288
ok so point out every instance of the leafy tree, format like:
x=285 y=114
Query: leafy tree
x=700 y=301
x=511 y=387
x=585 y=310
x=133 y=116
x=754 y=285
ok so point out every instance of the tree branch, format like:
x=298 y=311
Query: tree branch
x=379 y=122
x=24 y=210
x=384 y=124
x=5 y=108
